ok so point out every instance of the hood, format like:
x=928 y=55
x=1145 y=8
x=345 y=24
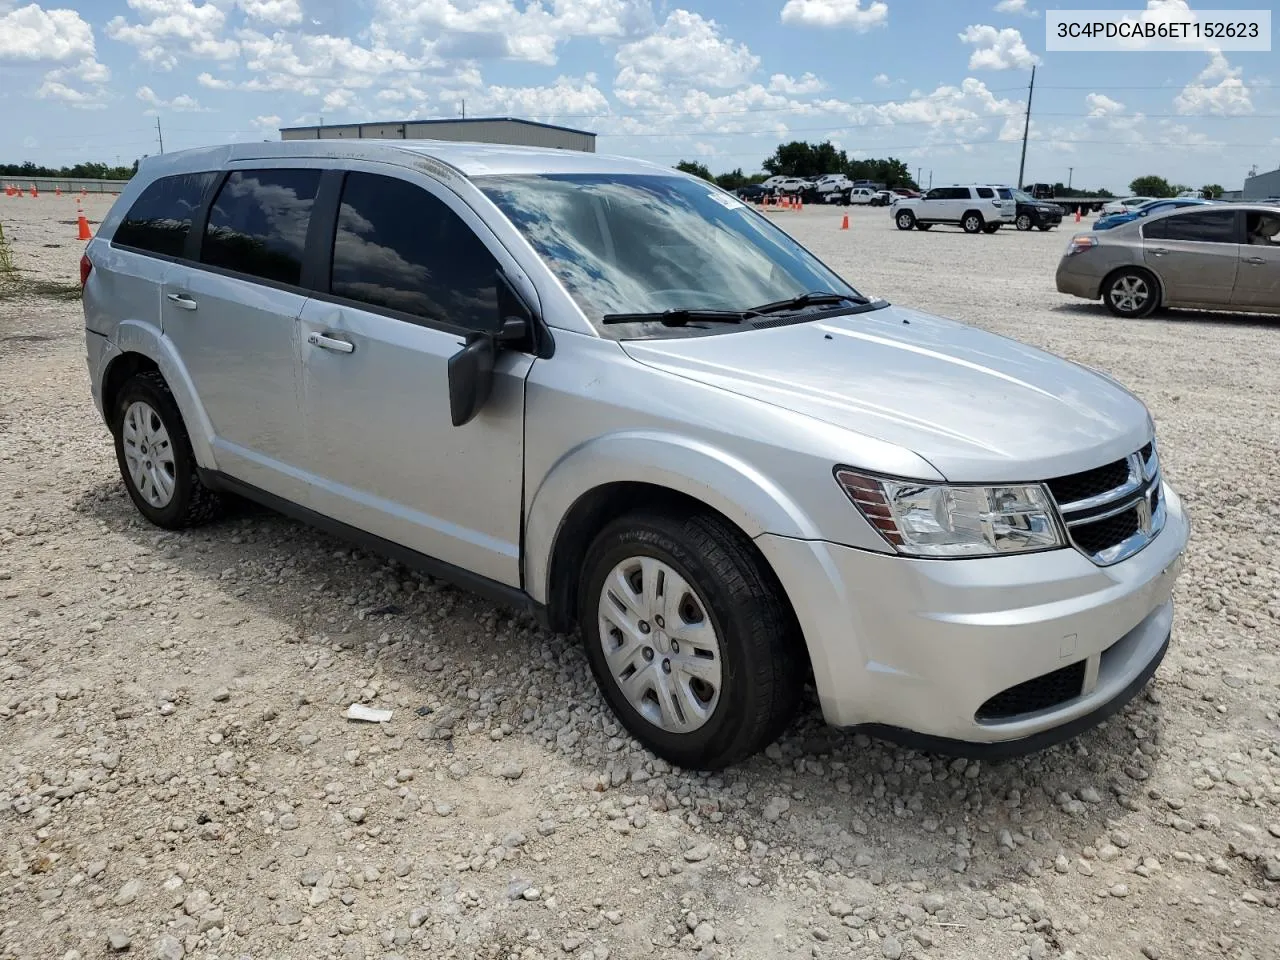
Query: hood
x=978 y=406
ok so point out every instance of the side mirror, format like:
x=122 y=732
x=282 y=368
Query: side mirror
x=471 y=378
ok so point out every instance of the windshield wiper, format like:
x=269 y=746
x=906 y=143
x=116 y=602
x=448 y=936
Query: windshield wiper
x=812 y=298
x=677 y=316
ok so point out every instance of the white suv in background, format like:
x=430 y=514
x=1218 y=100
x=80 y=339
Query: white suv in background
x=975 y=209
x=832 y=186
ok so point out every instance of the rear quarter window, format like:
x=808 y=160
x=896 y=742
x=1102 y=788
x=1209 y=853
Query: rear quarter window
x=160 y=219
x=986 y=193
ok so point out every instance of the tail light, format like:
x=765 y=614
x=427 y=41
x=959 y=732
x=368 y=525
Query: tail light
x=86 y=268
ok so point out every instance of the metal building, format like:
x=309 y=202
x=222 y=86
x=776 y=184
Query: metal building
x=1262 y=186
x=525 y=133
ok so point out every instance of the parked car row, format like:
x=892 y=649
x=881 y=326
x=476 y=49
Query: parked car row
x=833 y=188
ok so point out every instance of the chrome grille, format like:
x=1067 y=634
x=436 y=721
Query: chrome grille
x=1113 y=511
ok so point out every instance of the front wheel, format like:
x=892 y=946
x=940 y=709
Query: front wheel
x=972 y=223
x=1130 y=293
x=1023 y=222
x=905 y=220
x=690 y=637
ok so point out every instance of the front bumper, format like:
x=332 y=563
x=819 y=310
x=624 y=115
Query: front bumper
x=911 y=649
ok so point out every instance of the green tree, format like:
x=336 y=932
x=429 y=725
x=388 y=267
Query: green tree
x=732 y=180
x=1151 y=186
x=697 y=169
x=801 y=159
x=89 y=170
x=1212 y=191
x=890 y=172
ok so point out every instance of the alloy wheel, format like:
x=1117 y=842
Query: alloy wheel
x=148 y=454
x=1130 y=293
x=660 y=645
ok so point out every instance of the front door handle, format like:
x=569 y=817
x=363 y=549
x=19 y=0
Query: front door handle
x=181 y=300
x=330 y=343
x=1256 y=261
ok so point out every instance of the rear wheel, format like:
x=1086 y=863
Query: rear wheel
x=1024 y=222
x=689 y=637
x=906 y=220
x=1131 y=292
x=972 y=222
x=155 y=457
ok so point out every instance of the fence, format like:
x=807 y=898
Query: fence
x=65 y=184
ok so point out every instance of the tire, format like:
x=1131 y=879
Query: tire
x=170 y=493
x=905 y=220
x=972 y=222
x=923 y=226
x=1131 y=292
x=1023 y=222
x=729 y=596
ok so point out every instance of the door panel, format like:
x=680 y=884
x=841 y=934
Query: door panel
x=1258 y=279
x=240 y=348
x=1195 y=254
x=384 y=455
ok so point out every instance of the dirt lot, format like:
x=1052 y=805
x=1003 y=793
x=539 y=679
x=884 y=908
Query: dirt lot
x=176 y=777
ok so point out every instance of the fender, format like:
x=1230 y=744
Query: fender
x=137 y=336
x=737 y=489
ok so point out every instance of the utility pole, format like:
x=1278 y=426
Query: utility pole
x=918 y=172
x=464 y=109
x=159 y=134
x=1026 y=127
x=1070 y=172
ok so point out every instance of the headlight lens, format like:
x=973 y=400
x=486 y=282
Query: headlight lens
x=938 y=520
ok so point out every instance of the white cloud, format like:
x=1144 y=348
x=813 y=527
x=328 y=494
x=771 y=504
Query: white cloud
x=836 y=13
x=499 y=29
x=170 y=29
x=782 y=83
x=182 y=103
x=997 y=49
x=83 y=99
x=33 y=33
x=270 y=122
x=214 y=83
x=686 y=51
x=881 y=80
x=1100 y=105
x=282 y=12
x=575 y=96
x=1014 y=6
x=1229 y=96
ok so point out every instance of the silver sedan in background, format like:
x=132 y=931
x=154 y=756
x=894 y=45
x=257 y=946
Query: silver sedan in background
x=1220 y=258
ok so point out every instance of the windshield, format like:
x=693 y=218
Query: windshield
x=641 y=243
x=1023 y=196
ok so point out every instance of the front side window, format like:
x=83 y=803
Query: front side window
x=1263 y=229
x=641 y=243
x=400 y=248
x=258 y=223
x=160 y=219
x=1204 y=226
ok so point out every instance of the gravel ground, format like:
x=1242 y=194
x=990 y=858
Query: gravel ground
x=176 y=777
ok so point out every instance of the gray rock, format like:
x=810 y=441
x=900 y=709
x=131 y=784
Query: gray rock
x=196 y=903
x=511 y=770
x=118 y=940
x=1119 y=890
x=704 y=933
x=128 y=893
x=356 y=814
x=933 y=902
x=1090 y=795
x=516 y=889
x=169 y=948
x=891 y=948
x=699 y=853
x=1271 y=870
x=221 y=695
x=418 y=916
x=533 y=893
x=288 y=821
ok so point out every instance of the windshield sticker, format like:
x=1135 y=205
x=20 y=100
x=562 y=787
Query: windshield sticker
x=725 y=201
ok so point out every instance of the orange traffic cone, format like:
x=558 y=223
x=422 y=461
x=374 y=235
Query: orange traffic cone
x=844 y=224
x=83 y=224
x=1077 y=214
x=34 y=191
x=57 y=191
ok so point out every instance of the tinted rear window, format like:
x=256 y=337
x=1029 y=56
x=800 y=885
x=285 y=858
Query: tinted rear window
x=160 y=219
x=1209 y=226
x=986 y=193
x=258 y=223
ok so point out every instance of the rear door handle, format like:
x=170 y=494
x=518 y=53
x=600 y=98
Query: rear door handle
x=1257 y=261
x=1158 y=252
x=330 y=343
x=182 y=300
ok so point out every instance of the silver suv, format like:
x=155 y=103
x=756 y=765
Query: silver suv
x=975 y=209
x=616 y=397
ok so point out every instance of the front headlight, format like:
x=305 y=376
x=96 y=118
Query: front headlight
x=939 y=520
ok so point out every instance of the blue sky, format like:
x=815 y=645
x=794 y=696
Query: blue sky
x=940 y=84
